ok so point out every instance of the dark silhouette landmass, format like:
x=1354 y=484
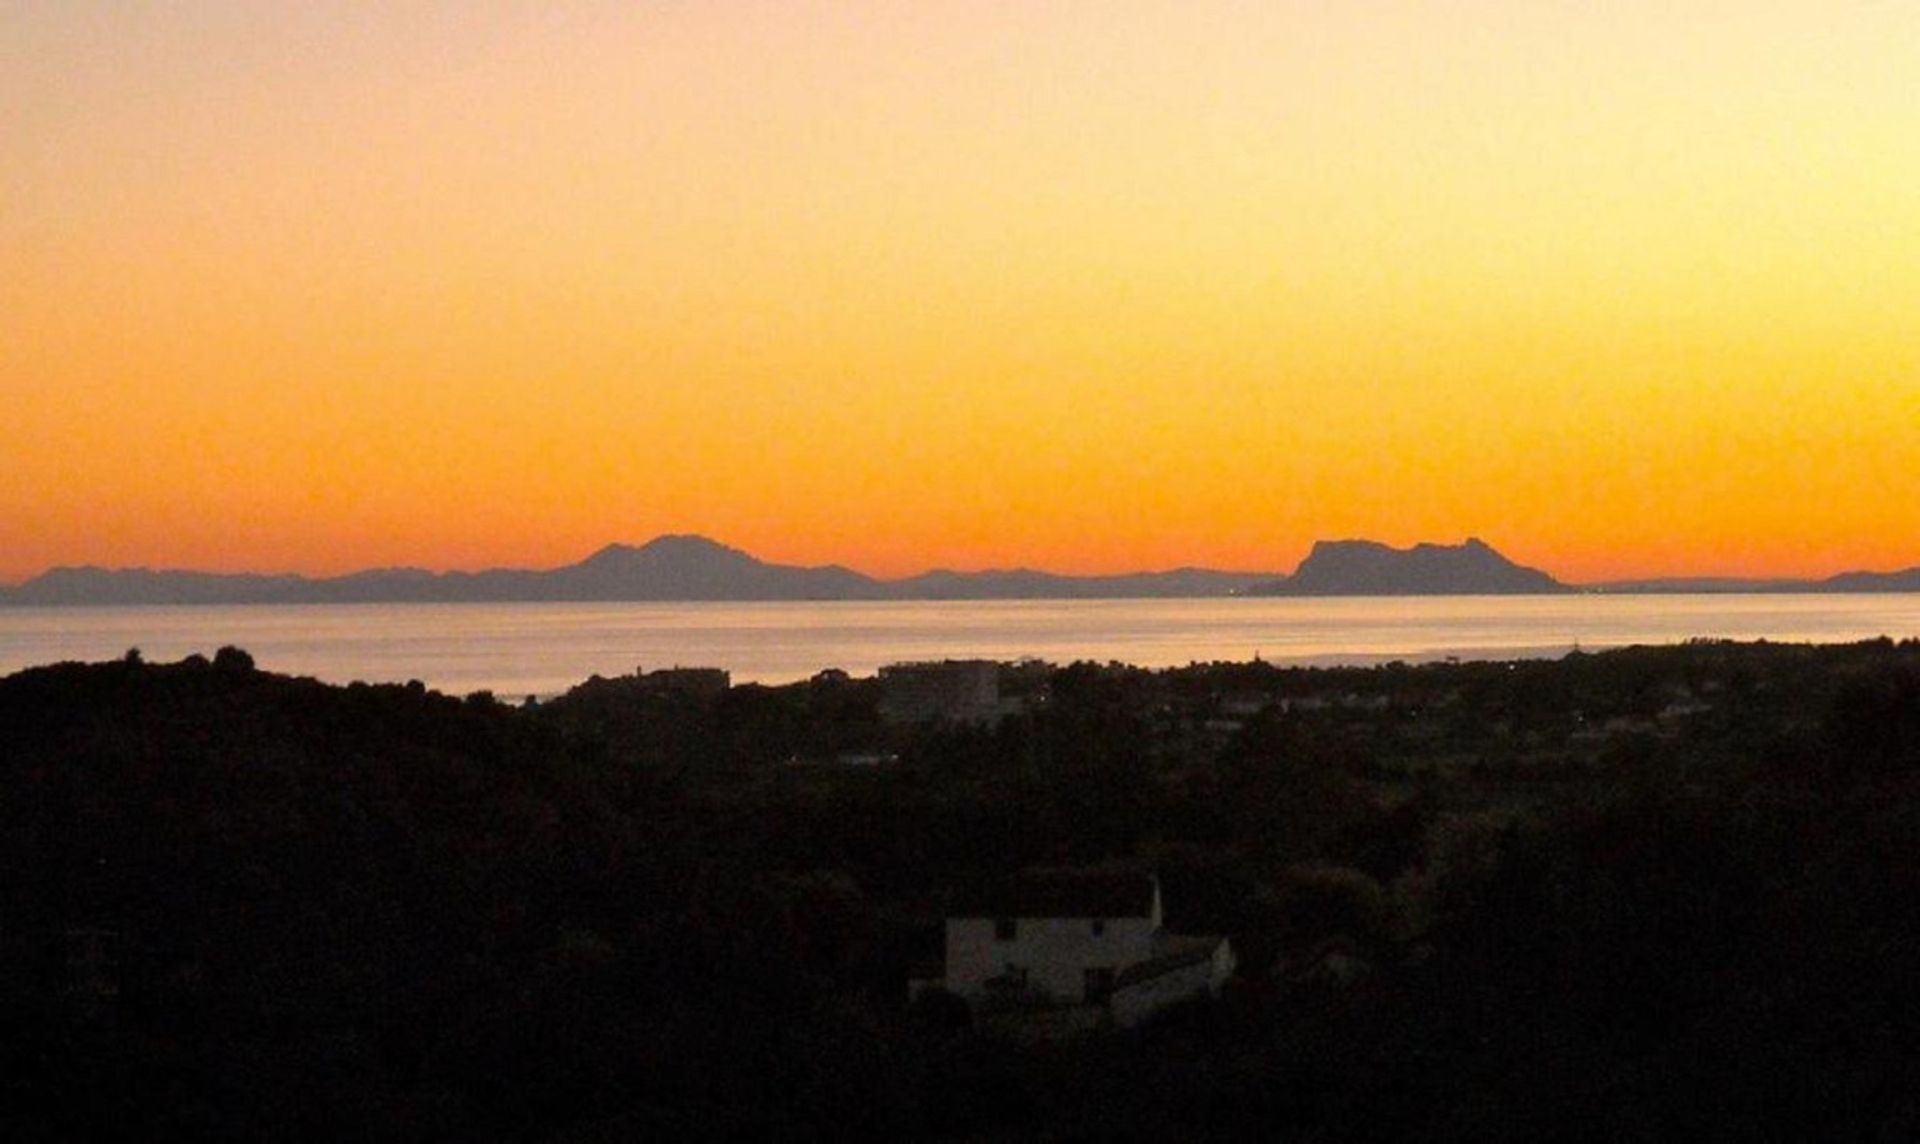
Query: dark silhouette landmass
x=693 y=568
x=1365 y=568
x=1907 y=581
x=1648 y=894
x=666 y=568
x=1027 y=583
x=1705 y=586
x=685 y=567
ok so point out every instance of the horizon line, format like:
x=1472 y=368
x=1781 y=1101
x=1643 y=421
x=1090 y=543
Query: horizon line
x=1712 y=577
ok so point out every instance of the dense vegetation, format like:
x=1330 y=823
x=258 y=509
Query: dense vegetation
x=1663 y=893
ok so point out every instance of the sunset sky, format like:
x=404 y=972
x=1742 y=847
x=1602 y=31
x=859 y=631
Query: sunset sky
x=1626 y=289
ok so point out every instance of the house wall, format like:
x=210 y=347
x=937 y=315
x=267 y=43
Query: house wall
x=1055 y=952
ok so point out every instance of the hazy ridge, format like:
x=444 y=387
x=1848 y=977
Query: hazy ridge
x=694 y=568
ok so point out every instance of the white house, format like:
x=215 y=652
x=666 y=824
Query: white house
x=1078 y=938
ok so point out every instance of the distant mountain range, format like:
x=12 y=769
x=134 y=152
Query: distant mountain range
x=695 y=568
x=667 y=568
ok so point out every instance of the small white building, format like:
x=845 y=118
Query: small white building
x=1076 y=938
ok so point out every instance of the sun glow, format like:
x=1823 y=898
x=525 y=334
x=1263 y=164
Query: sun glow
x=904 y=285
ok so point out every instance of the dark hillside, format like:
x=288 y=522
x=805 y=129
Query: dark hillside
x=1655 y=893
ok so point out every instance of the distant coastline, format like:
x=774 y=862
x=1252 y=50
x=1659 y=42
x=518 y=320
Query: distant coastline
x=695 y=568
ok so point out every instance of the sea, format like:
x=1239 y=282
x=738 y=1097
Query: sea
x=516 y=650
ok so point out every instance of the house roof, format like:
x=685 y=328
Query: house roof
x=1061 y=894
x=1177 y=952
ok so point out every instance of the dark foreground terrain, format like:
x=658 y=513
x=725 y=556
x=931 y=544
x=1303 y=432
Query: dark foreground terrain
x=1649 y=894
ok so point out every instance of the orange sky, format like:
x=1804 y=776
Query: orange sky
x=1623 y=289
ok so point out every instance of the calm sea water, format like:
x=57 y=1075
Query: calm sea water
x=541 y=649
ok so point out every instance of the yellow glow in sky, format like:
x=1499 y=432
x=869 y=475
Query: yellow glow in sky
x=1625 y=289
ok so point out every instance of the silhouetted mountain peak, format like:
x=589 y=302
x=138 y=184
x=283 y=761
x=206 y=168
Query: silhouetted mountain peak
x=1369 y=568
x=673 y=548
x=689 y=567
x=689 y=544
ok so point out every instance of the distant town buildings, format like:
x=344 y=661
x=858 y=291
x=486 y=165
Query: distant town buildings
x=953 y=690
